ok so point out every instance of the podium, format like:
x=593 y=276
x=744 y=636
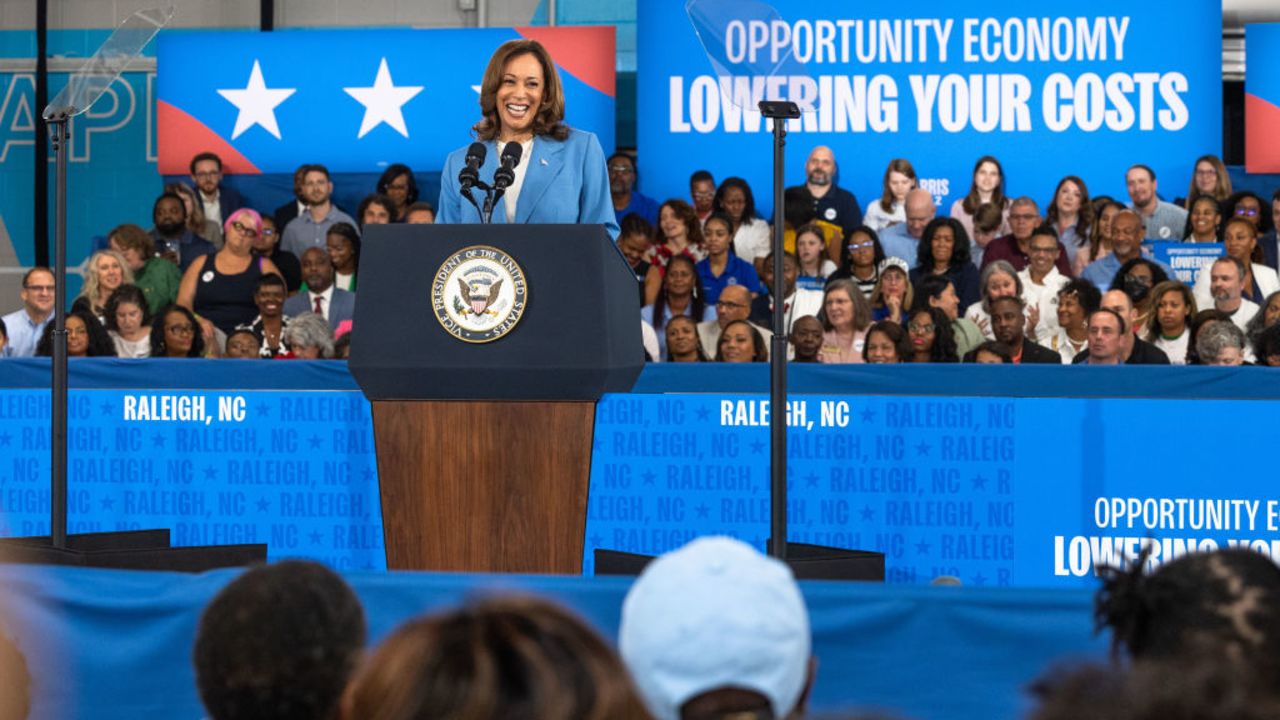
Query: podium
x=483 y=350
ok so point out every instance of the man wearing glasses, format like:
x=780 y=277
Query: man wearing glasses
x=702 y=191
x=626 y=199
x=25 y=326
x=1024 y=217
x=218 y=201
x=734 y=304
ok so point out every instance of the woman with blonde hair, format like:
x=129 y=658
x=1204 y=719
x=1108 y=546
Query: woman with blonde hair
x=1209 y=177
x=105 y=271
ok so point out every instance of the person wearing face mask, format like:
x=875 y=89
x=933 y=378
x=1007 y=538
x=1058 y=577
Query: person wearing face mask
x=1136 y=278
x=562 y=176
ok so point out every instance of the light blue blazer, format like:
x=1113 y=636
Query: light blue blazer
x=564 y=183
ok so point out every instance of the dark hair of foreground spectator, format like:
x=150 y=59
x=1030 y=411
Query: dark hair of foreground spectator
x=1189 y=690
x=492 y=660
x=1222 y=606
x=280 y=641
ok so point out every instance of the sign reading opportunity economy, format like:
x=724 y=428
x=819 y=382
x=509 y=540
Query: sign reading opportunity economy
x=354 y=100
x=1051 y=90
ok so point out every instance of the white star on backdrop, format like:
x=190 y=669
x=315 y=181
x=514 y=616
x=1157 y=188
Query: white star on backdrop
x=383 y=102
x=256 y=103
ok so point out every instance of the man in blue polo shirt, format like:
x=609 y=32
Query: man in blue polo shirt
x=1126 y=244
x=626 y=199
x=25 y=326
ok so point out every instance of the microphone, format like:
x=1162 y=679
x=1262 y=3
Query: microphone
x=505 y=174
x=469 y=176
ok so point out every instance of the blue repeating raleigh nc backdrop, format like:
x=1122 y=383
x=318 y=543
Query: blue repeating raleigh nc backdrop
x=1021 y=491
x=1051 y=90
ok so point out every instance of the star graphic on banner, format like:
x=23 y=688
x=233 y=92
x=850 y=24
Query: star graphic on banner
x=703 y=412
x=922 y=548
x=383 y=102
x=868 y=415
x=757 y=446
x=979 y=482
x=264 y=505
x=316 y=537
x=108 y=503
x=314 y=441
x=596 y=540
x=157 y=440
x=210 y=473
x=264 y=410
x=811 y=480
x=704 y=511
x=868 y=514
x=922 y=448
x=649 y=477
x=107 y=408
x=979 y=579
x=256 y=103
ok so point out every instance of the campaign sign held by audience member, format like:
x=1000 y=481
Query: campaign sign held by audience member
x=1187 y=258
x=268 y=102
x=1086 y=90
x=1262 y=99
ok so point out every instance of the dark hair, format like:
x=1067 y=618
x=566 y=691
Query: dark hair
x=760 y=349
x=1158 y=291
x=972 y=200
x=1095 y=237
x=895 y=333
x=100 y=343
x=929 y=287
x=1158 y=275
x=125 y=294
x=748 y=209
x=26 y=276
x=903 y=167
x=988 y=218
x=271 y=279
x=687 y=215
x=995 y=347
x=1188 y=229
x=342 y=346
x=846 y=256
x=1267 y=343
x=697 y=303
x=1223 y=605
x=201 y=157
x=1265 y=221
x=1124 y=325
x=257 y=341
x=1202 y=318
x=4 y=329
x=1089 y=297
x=313 y=167
x=157 y=332
x=697 y=344
x=634 y=224
x=419 y=206
x=549 y=121
x=374 y=199
x=171 y=196
x=1256 y=324
x=1084 y=217
x=944 y=339
x=960 y=247
x=701 y=176
x=1140 y=166
x=1046 y=229
x=502 y=657
x=279 y=641
x=389 y=176
x=1181 y=689
x=348 y=233
x=724 y=218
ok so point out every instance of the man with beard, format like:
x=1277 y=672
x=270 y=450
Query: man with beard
x=1007 y=322
x=626 y=199
x=218 y=201
x=173 y=240
x=829 y=202
x=1163 y=221
x=321 y=296
x=1226 y=284
x=310 y=228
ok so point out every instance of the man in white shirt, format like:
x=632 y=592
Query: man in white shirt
x=25 y=326
x=734 y=304
x=1226 y=284
x=1041 y=282
x=796 y=303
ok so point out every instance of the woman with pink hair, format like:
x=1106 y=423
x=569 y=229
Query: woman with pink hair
x=219 y=287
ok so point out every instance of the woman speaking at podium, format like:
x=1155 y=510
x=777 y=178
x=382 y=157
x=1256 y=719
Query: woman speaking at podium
x=561 y=176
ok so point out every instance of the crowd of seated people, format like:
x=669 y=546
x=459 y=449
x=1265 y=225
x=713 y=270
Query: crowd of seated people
x=900 y=259
x=214 y=278
x=846 y=269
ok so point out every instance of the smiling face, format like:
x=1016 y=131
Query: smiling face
x=1205 y=217
x=1141 y=186
x=1206 y=177
x=673 y=228
x=1126 y=235
x=633 y=248
x=110 y=274
x=270 y=300
x=520 y=96
x=881 y=348
x=341 y=253
x=839 y=309
x=1070 y=312
x=1043 y=253
x=737 y=343
x=987 y=177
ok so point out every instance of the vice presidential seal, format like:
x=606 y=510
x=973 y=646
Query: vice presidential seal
x=479 y=294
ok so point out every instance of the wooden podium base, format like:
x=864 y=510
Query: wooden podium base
x=474 y=486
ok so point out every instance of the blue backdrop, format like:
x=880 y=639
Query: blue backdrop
x=990 y=474
x=1087 y=91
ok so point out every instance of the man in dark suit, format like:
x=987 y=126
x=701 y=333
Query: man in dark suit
x=218 y=201
x=1133 y=350
x=321 y=296
x=1007 y=323
x=294 y=207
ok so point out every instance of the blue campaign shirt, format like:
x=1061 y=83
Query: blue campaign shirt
x=897 y=242
x=736 y=272
x=1102 y=271
x=642 y=205
x=23 y=334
